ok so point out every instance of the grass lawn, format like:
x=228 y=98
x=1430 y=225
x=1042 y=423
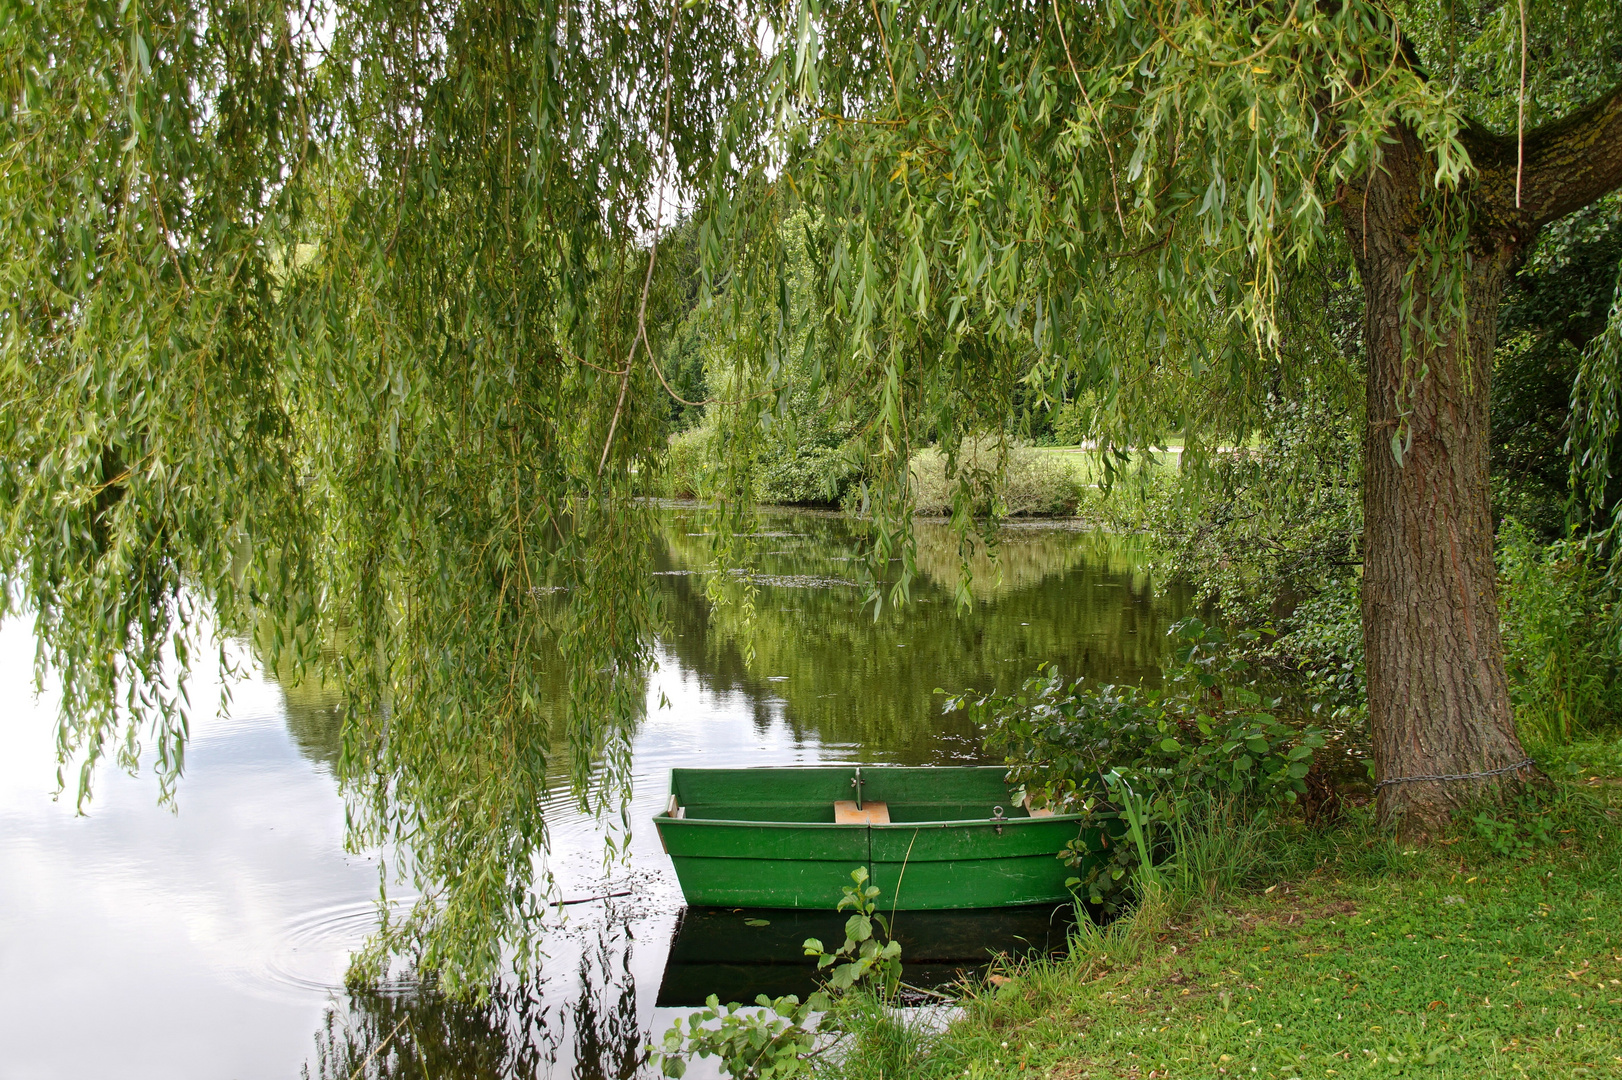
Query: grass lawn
x=1345 y=955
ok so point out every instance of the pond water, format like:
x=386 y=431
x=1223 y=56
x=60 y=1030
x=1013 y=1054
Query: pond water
x=210 y=940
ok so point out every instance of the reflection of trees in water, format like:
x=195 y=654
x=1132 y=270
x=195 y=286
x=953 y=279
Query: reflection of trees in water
x=516 y=1033
x=608 y=1039
x=1079 y=600
x=1025 y=556
x=315 y=719
x=504 y=1037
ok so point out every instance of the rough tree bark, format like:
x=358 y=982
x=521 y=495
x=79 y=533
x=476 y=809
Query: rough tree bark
x=1438 y=695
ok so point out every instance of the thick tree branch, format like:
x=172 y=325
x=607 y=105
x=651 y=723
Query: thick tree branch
x=1569 y=164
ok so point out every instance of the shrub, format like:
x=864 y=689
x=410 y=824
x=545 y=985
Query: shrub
x=815 y=470
x=1322 y=650
x=1031 y=482
x=685 y=463
x=1073 y=422
x=1149 y=764
x=807 y=469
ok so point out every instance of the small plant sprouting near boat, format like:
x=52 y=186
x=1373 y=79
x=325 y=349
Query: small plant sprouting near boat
x=775 y=1040
x=864 y=957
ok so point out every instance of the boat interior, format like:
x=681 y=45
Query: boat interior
x=845 y=795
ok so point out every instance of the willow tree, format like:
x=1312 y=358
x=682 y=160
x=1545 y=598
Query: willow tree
x=1131 y=187
x=341 y=325
x=326 y=325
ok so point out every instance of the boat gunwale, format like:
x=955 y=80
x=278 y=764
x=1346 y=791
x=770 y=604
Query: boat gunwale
x=933 y=823
x=665 y=815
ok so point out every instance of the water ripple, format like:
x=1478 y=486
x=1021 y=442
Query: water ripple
x=313 y=949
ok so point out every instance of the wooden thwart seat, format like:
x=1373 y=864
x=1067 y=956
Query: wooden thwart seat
x=1037 y=811
x=871 y=813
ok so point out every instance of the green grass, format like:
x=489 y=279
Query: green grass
x=1589 y=761
x=1342 y=955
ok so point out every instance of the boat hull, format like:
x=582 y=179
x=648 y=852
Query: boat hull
x=727 y=855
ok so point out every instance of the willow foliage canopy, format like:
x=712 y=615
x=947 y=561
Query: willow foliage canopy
x=339 y=325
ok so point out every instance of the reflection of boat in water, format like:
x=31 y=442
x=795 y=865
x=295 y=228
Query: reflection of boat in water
x=931 y=838
x=737 y=953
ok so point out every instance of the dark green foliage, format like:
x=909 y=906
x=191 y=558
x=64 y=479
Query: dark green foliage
x=1148 y=762
x=1318 y=656
x=1556 y=307
x=1564 y=664
x=1561 y=654
x=813 y=470
x=682 y=363
x=1596 y=440
x=1071 y=422
x=1516 y=831
x=799 y=464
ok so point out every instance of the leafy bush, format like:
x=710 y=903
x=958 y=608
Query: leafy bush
x=807 y=468
x=1564 y=669
x=1030 y=482
x=813 y=470
x=1317 y=664
x=685 y=462
x=1146 y=763
x=1258 y=528
x=1561 y=658
x=1073 y=422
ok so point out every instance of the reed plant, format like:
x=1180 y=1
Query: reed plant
x=1563 y=652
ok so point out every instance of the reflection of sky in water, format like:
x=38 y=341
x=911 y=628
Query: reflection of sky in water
x=211 y=942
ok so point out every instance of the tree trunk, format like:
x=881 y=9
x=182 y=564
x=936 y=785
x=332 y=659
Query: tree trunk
x=1437 y=691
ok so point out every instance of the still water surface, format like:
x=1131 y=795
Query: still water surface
x=210 y=941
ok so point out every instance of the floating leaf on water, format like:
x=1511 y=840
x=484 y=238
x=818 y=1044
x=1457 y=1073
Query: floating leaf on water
x=757 y=922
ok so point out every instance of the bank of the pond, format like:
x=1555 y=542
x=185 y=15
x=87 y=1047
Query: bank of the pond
x=1022 y=481
x=1343 y=955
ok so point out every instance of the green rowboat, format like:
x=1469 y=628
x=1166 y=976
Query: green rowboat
x=931 y=838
